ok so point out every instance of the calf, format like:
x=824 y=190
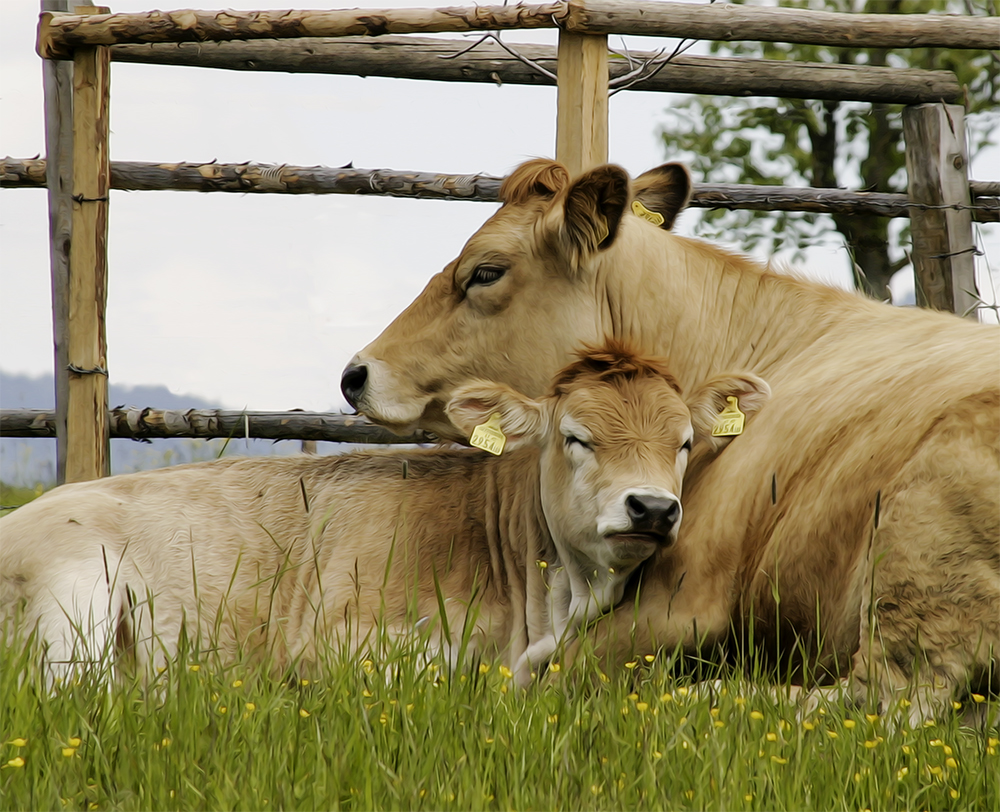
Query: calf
x=276 y=558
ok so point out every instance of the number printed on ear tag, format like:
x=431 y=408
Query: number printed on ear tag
x=489 y=436
x=730 y=421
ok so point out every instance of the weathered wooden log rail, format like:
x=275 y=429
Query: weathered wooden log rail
x=59 y=34
x=449 y=60
x=270 y=179
x=144 y=424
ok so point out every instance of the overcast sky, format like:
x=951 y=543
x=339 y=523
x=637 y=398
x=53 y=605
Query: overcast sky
x=259 y=301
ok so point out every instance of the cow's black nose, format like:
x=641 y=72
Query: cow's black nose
x=352 y=383
x=652 y=514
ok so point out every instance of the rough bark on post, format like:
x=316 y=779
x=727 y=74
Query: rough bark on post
x=582 y=114
x=87 y=422
x=57 y=86
x=943 y=245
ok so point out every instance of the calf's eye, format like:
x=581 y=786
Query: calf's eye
x=486 y=275
x=686 y=446
x=572 y=440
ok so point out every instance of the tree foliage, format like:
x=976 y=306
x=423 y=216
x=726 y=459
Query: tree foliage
x=826 y=144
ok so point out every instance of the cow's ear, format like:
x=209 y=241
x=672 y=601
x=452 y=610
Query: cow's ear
x=663 y=191
x=522 y=420
x=709 y=401
x=593 y=210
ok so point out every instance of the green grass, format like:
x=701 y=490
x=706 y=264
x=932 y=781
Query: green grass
x=395 y=732
x=12 y=496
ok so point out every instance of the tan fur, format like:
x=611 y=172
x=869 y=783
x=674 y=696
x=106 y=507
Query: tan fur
x=281 y=558
x=870 y=405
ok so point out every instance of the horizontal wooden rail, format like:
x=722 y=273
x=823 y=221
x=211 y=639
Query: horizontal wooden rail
x=143 y=424
x=449 y=60
x=284 y=179
x=730 y=23
x=59 y=34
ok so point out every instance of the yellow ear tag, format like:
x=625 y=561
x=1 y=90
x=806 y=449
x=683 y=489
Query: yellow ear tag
x=730 y=420
x=488 y=436
x=653 y=216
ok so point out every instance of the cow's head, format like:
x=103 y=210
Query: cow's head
x=517 y=300
x=615 y=436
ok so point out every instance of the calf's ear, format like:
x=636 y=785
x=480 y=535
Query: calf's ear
x=708 y=401
x=522 y=420
x=592 y=211
x=663 y=191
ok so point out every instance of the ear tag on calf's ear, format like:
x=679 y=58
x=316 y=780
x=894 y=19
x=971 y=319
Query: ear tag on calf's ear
x=489 y=436
x=653 y=216
x=730 y=420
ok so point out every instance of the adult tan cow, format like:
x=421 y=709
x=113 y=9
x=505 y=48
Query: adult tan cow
x=868 y=489
x=278 y=556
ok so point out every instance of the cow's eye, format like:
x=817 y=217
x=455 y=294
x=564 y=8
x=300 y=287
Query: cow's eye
x=486 y=275
x=573 y=440
x=686 y=446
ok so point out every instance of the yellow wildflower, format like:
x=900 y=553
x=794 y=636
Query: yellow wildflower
x=554 y=668
x=936 y=743
x=650 y=657
x=484 y=668
x=303 y=682
x=505 y=672
x=383 y=718
x=74 y=741
x=950 y=763
x=953 y=793
x=977 y=698
x=832 y=734
x=870 y=744
x=604 y=677
x=849 y=724
x=195 y=668
x=947 y=750
x=748 y=797
x=906 y=749
x=595 y=789
x=719 y=723
x=871 y=717
x=304 y=713
x=642 y=706
x=779 y=760
x=666 y=697
x=956 y=705
x=223 y=709
x=808 y=726
x=19 y=742
x=16 y=762
x=771 y=736
x=69 y=752
x=901 y=773
x=631 y=665
x=553 y=718
x=755 y=714
x=250 y=706
x=542 y=565
x=367 y=694
x=683 y=691
x=237 y=683
x=904 y=703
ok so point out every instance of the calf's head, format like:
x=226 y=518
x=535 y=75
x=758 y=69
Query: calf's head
x=615 y=436
x=524 y=292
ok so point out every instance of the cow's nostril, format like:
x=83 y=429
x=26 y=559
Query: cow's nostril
x=352 y=383
x=635 y=507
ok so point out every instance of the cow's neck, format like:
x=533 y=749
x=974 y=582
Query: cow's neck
x=711 y=311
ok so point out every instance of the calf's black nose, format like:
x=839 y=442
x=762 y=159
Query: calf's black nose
x=352 y=383
x=652 y=514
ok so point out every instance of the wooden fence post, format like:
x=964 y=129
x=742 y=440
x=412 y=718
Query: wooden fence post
x=943 y=245
x=87 y=449
x=57 y=85
x=582 y=117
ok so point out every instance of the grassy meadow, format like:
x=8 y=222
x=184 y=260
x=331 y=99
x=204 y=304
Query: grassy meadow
x=395 y=731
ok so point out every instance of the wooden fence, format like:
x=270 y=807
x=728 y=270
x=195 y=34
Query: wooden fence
x=77 y=49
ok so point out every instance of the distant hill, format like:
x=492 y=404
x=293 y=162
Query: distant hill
x=30 y=460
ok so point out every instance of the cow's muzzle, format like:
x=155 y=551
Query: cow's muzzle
x=653 y=516
x=353 y=383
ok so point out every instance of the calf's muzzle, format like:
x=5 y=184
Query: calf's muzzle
x=353 y=382
x=655 y=515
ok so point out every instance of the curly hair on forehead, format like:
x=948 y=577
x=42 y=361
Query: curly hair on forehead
x=614 y=360
x=539 y=177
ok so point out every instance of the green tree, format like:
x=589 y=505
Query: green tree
x=826 y=144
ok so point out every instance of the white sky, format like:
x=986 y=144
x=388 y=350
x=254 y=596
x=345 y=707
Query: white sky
x=259 y=301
